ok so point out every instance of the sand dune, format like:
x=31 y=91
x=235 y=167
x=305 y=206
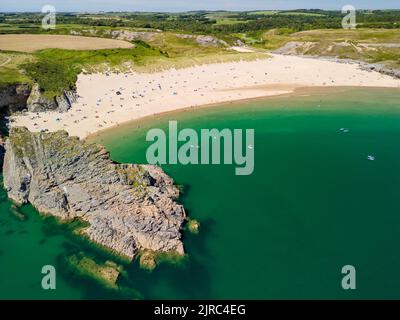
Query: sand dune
x=109 y=100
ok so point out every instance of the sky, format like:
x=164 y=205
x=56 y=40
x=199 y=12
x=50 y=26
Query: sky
x=187 y=5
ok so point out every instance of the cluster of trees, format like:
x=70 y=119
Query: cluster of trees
x=186 y=22
x=388 y=19
x=199 y=22
x=298 y=21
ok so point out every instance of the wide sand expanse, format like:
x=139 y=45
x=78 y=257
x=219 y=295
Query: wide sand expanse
x=109 y=100
x=34 y=42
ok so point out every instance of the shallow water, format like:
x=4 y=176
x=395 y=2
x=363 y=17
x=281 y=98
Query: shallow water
x=313 y=204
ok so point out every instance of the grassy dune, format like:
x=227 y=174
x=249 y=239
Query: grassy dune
x=56 y=70
x=371 y=45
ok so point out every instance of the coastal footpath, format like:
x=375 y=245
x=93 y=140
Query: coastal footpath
x=129 y=208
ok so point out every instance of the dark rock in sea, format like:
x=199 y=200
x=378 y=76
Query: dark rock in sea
x=129 y=208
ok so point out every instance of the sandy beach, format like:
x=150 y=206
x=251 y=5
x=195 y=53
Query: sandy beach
x=107 y=100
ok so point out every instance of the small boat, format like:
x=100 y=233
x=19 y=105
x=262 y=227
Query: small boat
x=371 y=158
x=250 y=146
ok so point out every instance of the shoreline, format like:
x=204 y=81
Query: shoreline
x=232 y=103
x=297 y=92
x=107 y=101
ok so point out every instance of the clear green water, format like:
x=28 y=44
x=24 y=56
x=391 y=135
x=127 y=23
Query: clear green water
x=313 y=204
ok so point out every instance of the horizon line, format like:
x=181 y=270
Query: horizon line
x=199 y=10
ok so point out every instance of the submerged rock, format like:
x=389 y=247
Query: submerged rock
x=148 y=260
x=129 y=207
x=106 y=273
x=193 y=226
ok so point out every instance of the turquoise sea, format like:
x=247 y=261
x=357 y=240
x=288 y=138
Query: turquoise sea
x=313 y=204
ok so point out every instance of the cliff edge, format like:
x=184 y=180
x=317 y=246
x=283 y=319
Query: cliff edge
x=129 y=208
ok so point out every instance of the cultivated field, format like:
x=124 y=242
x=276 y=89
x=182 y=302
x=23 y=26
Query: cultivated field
x=35 y=42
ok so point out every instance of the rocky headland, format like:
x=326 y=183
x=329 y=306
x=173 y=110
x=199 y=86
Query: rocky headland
x=129 y=208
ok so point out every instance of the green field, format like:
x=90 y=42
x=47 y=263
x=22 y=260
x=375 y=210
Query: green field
x=56 y=70
x=229 y=21
x=285 y=13
x=10 y=67
x=265 y=13
x=294 y=13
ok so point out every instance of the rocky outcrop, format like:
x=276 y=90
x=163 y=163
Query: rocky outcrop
x=305 y=49
x=13 y=97
x=210 y=41
x=133 y=35
x=289 y=48
x=129 y=208
x=206 y=41
x=381 y=68
x=65 y=101
x=19 y=97
x=120 y=34
x=39 y=103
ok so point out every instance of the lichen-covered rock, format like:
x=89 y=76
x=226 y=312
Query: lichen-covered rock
x=128 y=207
x=239 y=43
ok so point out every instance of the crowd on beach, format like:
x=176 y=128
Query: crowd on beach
x=109 y=99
